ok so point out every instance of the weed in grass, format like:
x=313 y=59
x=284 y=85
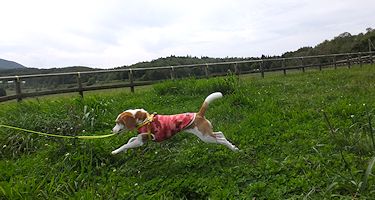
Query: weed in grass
x=356 y=140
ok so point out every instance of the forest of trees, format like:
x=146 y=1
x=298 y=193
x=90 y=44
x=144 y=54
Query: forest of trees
x=343 y=43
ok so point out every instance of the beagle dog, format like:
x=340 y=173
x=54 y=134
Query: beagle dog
x=161 y=127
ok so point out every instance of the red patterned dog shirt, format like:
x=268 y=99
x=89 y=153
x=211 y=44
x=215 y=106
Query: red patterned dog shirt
x=165 y=126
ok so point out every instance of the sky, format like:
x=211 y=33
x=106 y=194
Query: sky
x=112 y=33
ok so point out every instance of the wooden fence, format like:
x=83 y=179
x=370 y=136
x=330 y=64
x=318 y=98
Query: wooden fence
x=262 y=66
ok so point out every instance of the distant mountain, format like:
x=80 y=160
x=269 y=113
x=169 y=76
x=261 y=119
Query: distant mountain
x=29 y=70
x=6 y=64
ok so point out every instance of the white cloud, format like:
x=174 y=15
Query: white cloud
x=43 y=33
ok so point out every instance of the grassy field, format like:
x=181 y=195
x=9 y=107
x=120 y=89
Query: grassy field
x=302 y=136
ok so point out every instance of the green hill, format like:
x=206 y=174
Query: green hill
x=343 y=43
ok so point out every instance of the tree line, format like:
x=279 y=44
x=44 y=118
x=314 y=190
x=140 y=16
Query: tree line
x=343 y=43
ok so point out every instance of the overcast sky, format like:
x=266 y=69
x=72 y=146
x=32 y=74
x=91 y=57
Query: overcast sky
x=111 y=33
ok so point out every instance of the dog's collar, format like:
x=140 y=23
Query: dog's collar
x=148 y=120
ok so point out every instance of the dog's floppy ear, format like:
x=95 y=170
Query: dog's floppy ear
x=128 y=120
x=140 y=115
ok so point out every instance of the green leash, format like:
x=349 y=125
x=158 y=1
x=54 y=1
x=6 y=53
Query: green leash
x=84 y=137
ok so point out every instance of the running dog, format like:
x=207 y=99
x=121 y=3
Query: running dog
x=161 y=127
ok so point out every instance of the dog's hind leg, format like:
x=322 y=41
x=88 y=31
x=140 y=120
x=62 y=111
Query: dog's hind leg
x=220 y=138
x=215 y=137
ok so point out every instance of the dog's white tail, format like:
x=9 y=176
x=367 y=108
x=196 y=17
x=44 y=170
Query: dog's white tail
x=213 y=96
x=208 y=100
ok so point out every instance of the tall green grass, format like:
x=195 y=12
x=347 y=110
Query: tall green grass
x=290 y=148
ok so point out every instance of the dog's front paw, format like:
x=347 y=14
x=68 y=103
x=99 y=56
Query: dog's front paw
x=115 y=152
x=118 y=151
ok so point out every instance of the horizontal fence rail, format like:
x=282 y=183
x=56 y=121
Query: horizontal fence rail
x=201 y=70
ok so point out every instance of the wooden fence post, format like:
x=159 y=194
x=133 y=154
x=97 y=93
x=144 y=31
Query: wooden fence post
x=360 y=59
x=348 y=61
x=236 y=69
x=206 y=71
x=283 y=66
x=79 y=81
x=320 y=65
x=371 y=60
x=173 y=75
x=261 y=68
x=131 y=79
x=334 y=62
x=18 y=88
x=303 y=65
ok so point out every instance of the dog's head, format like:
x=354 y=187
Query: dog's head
x=129 y=120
